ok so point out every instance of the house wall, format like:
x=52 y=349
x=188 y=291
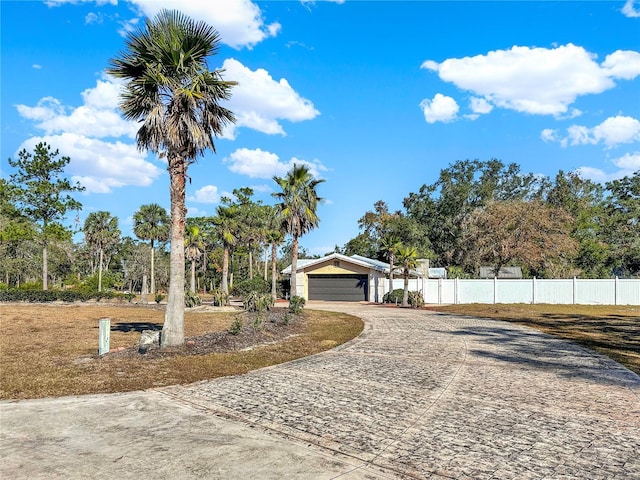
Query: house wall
x=376 y=288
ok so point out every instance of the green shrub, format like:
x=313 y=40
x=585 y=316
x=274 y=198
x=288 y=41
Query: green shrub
x=416 y=300
x=192 y=300
x=256 y=284
x=220 y=298
x=394 y=296
x=159 y=297
x=258 y=302
x=236 y=326
x=296 y=304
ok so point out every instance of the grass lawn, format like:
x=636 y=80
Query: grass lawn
x=613 y=331
x=52 y=350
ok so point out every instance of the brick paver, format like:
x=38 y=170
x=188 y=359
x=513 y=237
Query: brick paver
x=434 y=396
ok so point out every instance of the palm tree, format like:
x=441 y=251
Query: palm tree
x=297 y=205
x=408 y=260
x=151 y=223
x=274 y=237
x=226 y=227
x=390 y=245
x=171 y=91
x=193 y=246
x=101 y=233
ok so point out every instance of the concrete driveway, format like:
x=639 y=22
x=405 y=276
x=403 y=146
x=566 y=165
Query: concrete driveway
x=417 y=395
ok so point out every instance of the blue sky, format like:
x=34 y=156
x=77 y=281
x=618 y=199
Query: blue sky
x=376 y=97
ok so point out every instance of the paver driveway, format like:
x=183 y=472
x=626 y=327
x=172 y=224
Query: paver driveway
x=431 y=396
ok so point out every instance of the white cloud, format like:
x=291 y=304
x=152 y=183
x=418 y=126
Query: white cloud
x=261 y=164
x=259 y=101
x=612 y=132
x=97 y=117
x=93 y=18
x=100 y=166
x=36 y=66
x=239 y=22
x=206 y=194
x=440 y=109
x=626 y=165
x=536 y=80
x=629 y=10
x=480 y=105
x=549 y=135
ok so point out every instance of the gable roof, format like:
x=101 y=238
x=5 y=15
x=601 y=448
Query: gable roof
x=355 y=260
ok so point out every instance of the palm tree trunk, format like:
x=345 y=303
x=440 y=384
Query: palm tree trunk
x=390 y=274
x=152 y=290
x=100 y=271
x=225 y=270
x=294 y=265
x=250 y=264
x=192 y=285
x=173 y=328
x=274 y=259
x=405 y=295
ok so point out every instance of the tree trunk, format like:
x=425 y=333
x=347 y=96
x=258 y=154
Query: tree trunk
x=294 y=265
x=390 y=274
x=173 y=328
x=274 y=272
x=45 y=273
x=192 y=284
x=100 y=272
x=405 y=295
x=225 y=270
x=152 y=290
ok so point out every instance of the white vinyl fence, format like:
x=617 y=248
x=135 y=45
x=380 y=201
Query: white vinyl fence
x=578 y=291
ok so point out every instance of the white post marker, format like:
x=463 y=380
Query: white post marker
x=104 y=335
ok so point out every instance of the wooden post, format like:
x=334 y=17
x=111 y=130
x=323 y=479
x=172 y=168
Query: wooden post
x=104 y=336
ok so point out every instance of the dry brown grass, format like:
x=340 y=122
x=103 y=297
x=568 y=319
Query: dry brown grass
x=613 y=331
x=52 y=350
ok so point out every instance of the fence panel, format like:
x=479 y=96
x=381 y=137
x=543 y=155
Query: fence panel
x=558 y=291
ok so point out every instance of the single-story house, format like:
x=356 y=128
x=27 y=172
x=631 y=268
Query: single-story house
x=343 y=278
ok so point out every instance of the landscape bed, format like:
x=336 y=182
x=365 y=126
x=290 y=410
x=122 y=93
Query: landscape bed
x=52 y=350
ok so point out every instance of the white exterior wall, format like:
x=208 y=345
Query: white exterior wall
x=561 y=291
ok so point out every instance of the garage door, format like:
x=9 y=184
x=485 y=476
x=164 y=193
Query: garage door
x=339 y=288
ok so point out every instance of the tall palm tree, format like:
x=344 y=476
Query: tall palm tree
x=151 y=223
x=193 y=246
x=274 y=237
x=408 y=260
x=226 y=226
x=101 y=233
x=390 y=245
x=171 y=91
x=297 y=205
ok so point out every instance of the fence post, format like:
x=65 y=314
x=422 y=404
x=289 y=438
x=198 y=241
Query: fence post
x=533 y=290
x=575 y=287
x=615 y=291
x=456 y=300
x=495 y=289
x=439 y=291
x=104 y=334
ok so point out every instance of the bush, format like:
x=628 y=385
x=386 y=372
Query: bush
x=256 y=284
x=159 y=297
x=192 y=300
x=236 y=326
x=394 y=296
x=258 y=302
x=60 y=295
x=296 y=304
x=415 y=298
x=220 y=298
